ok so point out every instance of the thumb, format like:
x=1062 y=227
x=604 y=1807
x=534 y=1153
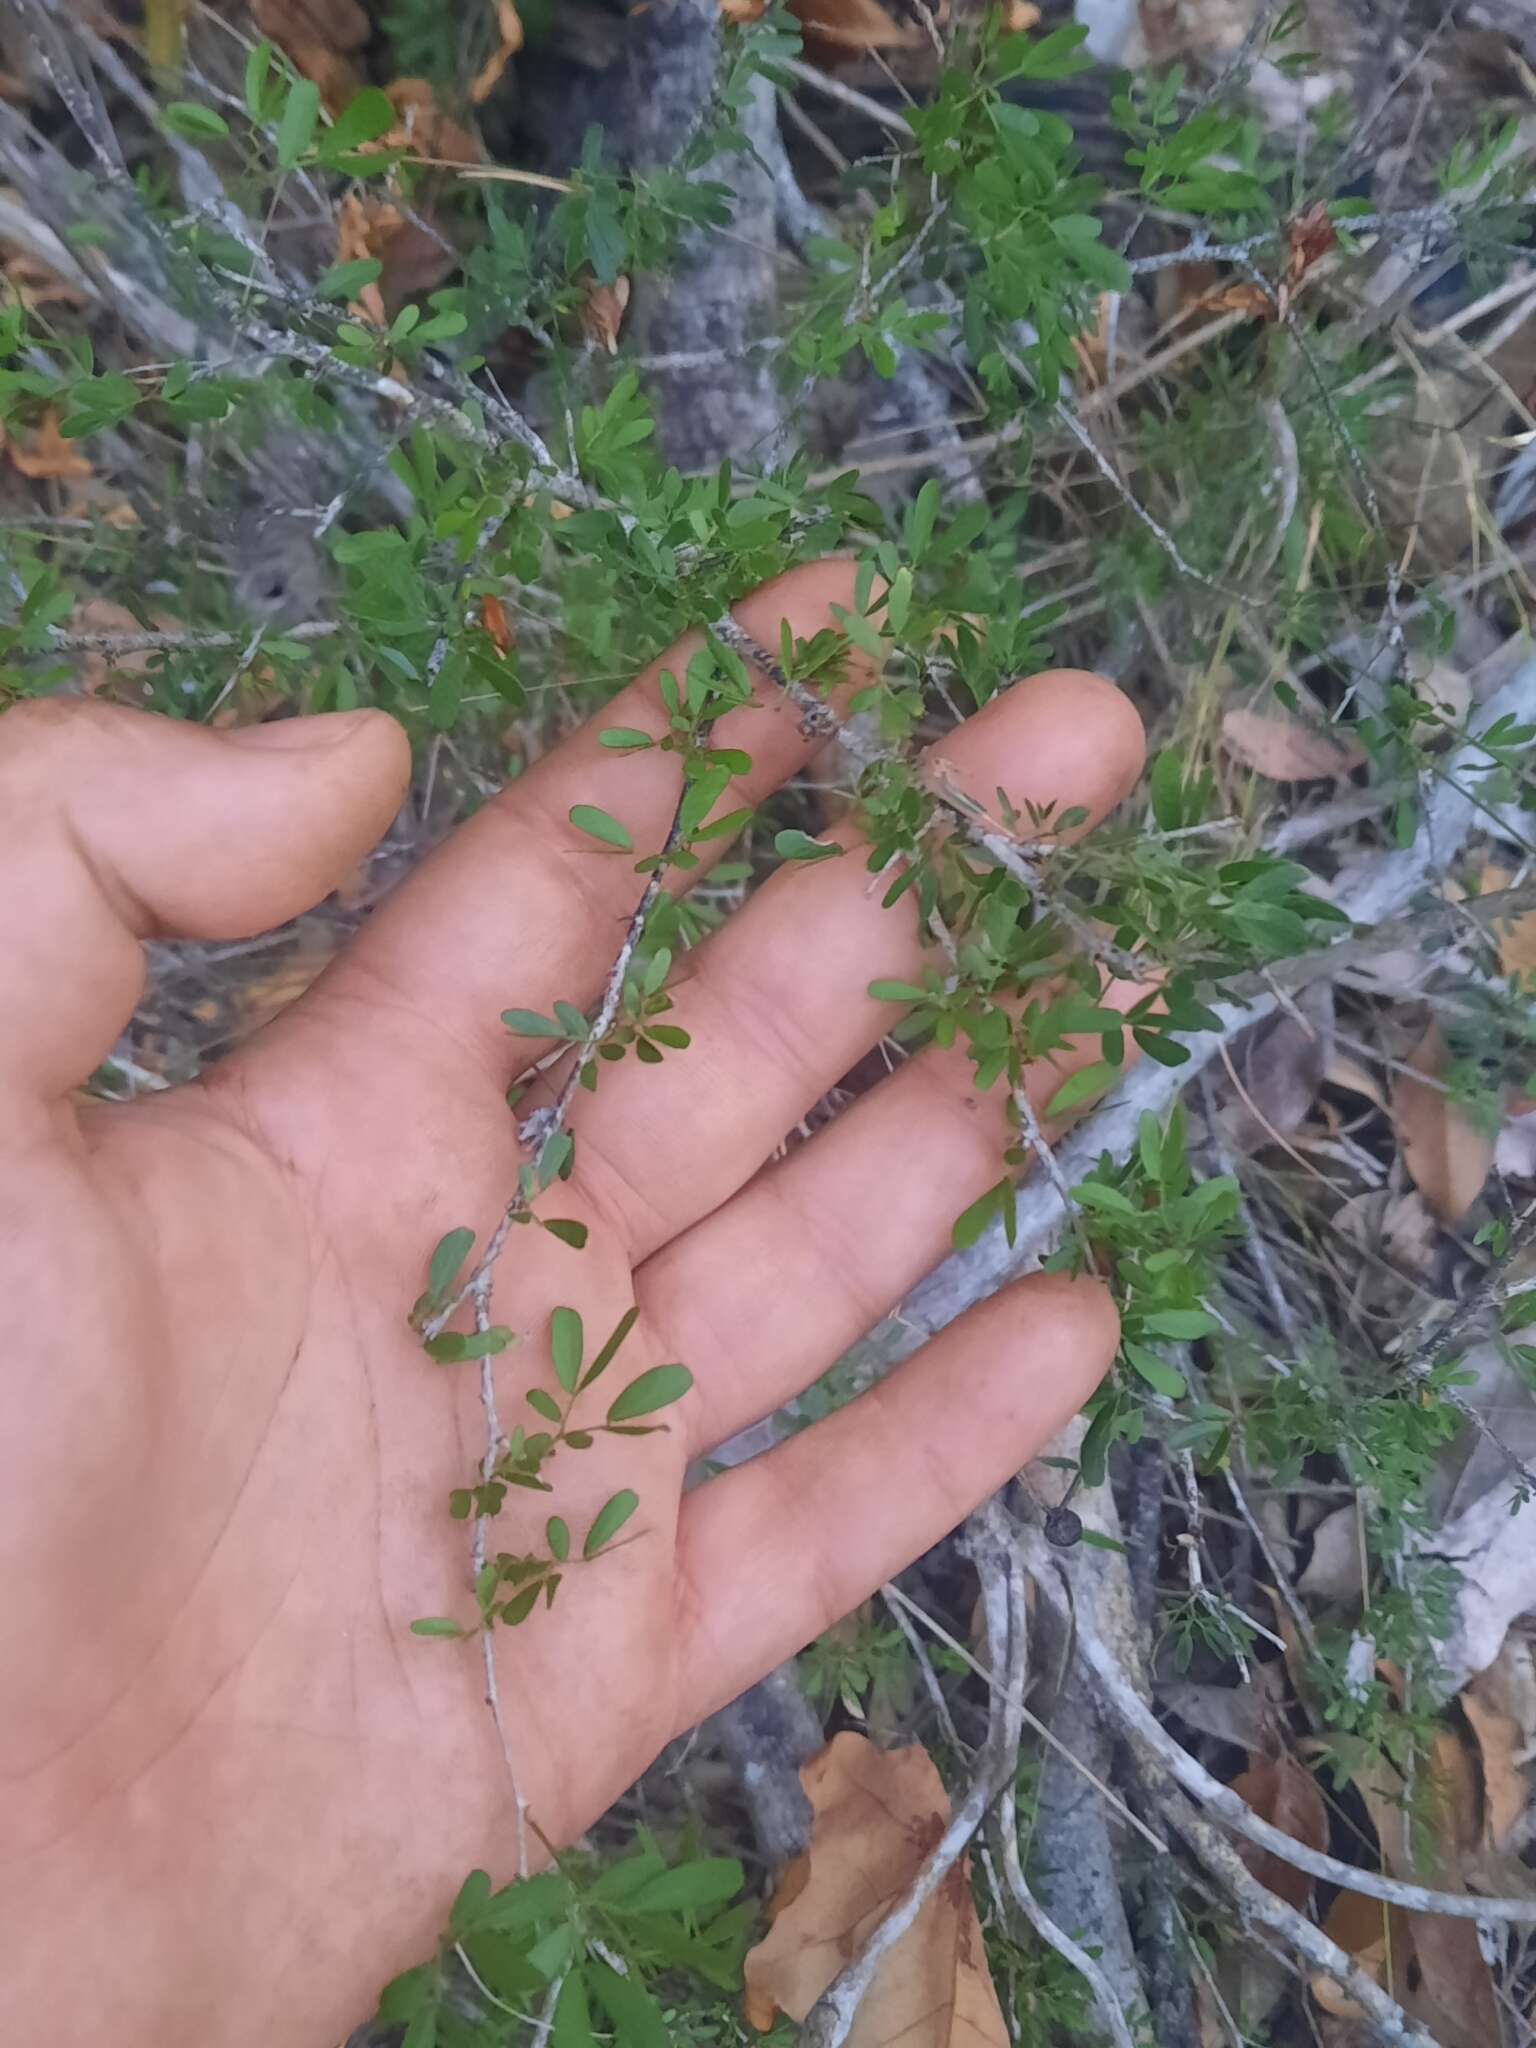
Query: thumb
x=116 y=825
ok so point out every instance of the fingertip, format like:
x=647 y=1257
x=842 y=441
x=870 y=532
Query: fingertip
x=1067 y=737
x=1073 y=1330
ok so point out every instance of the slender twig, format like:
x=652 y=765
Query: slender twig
x=834 y=89
x=542 y=1125
x=1133 y=504
x=1020 y=859
x=1258 y=1903
x=180 y=642
x=1043 y=1729
x=1006 y=1617
x=830 y=2019
x=1369 y=891
x=924 y=1665
x=544 y=2024
x=1117 y=1693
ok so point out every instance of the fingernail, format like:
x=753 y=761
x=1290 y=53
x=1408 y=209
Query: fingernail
x=297 y=735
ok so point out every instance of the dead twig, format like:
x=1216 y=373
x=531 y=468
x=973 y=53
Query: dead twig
x=1121 y=1699
x=830 y=2019
x=1006 y=1615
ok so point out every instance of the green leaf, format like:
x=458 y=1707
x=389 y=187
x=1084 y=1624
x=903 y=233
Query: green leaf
x=565 y=1342
x=517 y=1610
x=710 y=1881
x=611 y=1517
x=448 y=1255
x=624 y=739
x=898 y=600
x=558 y=1536
x=295 y=131
x=1094 y=1539
x=573 y=2025
x=1149 y=1145
x=525 y=1903
x=567 y=1230
x=258 y=66
x=606 y=1356
x=1185 y=1323
x=897 y=992
x=422 y=2031
x=636 y=2017
x=543 y=1404
x=598 y=824
x=436 y=1625
x=346 y=280
x=197 y=123
x=1078 y=1087
x=529 y=1024
x=474 y=1896
x=1159 y=1375
x=658 y=1388
x=364 y=118
x=453 y=1347
x=922 y=515
x=793 y=845
x=971 y=1222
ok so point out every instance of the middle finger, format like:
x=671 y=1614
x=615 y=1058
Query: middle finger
x=776 y=1003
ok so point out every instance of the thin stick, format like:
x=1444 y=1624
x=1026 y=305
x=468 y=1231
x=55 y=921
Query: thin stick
x=1120 y=1696
x=830 y=2019
x=542 y=1125
x=1005 y=1612
x=1047 y=1734
x=1018 y=858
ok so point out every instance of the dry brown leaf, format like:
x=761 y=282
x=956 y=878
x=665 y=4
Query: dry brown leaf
x=1275 y=744
x=875 y=1815
x=425 y=127
x=1019 y=16
x=1453 y=1997
x=509 y=40
x=413 y=259
x=44 y=453
x=498 y=627
x=1284 y=1793
x=1369 y=1933
x=1446 y=686
x=1244 y=297
x=1334 y=1569
x=1272 y=1075
x=1502 y=1746
x=320 y=37
x=1515 y=936
x=838 y=26
x=34 y=284
x=602 y=313
x=1447 y=1156
x=1352 y=1075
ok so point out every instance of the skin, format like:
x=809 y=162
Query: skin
x=235 y=1793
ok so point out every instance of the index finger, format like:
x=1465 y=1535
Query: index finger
x=520 y=907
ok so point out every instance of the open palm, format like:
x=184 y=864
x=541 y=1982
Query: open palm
x=237 y=1792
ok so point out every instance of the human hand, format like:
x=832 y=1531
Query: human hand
x=238 y=1793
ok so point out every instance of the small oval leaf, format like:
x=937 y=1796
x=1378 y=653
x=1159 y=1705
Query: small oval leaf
x=611 y=1517
x=658 y=1388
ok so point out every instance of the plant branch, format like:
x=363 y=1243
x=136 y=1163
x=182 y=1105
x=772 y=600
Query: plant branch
x=1020 y=859
x=1371 y=891
x=1006 y=1616
x=830 y=2019
x=1120 y=1697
